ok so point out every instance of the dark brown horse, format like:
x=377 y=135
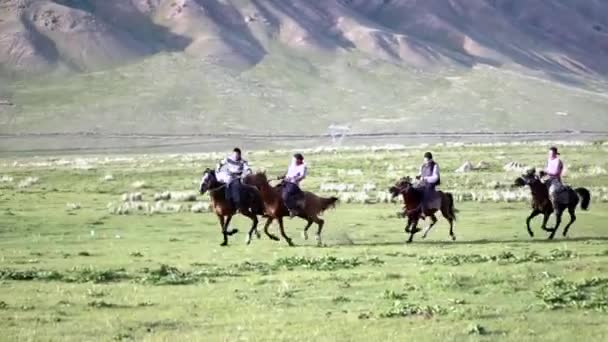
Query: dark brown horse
x=251 y=204
x=275 y=209
x=412 y=198
x=541 y=202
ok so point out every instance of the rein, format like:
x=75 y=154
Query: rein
x=218 y=188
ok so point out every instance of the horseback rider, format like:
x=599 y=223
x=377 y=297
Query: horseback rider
x=291 y=192
x=237 y=167
x=429 y=177
x=553 y=171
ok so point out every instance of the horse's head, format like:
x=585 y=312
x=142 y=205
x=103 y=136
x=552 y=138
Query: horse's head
x=256 y=179
x=527 y=178
x=207 y=180
x=403 y=185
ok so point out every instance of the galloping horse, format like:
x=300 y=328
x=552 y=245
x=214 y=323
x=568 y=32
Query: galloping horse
x=541 y=202
x=251 y=204
x=275 y=209
x=412 y=198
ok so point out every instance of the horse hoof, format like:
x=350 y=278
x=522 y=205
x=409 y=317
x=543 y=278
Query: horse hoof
x=258 y=235
x=304 y=235
x=223 y=244
x=232 y=232
x=290 y=243
x=453 y=237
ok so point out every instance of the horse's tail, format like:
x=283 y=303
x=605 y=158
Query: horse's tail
x=585 y=196
x=326 y=203
x=451 y=208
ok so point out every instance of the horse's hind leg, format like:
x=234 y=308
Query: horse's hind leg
x=320 y=223
x=532 y=215
x=282 y=230
x=448 y=212
x=305 y=232
x=254 y=225
x=572 y=212
x=451 y=221
x=430 y=226
x=558 y=221
x=266 y=225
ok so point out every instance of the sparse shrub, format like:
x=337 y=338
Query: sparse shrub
x=400 y=309
x=558 y=293
x=390 y=294
x=476 y=329
x=325 y=263
x=162 y=196
x=340 y=299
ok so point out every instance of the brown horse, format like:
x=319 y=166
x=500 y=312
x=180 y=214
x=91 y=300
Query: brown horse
x=541 y=202
x=412 y=198
x=251 y=205
x=275 y=209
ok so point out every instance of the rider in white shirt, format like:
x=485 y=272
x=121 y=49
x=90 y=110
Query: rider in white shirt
x=291 y=192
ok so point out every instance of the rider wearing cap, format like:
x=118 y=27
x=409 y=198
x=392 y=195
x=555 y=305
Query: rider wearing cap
x=429 y=175
x=554 y=170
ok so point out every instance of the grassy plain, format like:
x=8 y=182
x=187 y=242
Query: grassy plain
x=78 y=272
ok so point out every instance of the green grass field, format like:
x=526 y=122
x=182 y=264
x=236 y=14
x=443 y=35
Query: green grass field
x=71 y=270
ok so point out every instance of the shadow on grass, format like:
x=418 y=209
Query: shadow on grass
x=536 y=240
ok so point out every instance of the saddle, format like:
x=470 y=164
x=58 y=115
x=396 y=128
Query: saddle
x=435 y=201
x=558 y=192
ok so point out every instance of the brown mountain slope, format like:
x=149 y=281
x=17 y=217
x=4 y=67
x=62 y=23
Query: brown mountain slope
x=556 y=36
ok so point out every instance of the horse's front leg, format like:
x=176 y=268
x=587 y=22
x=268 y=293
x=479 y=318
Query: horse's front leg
x=223 y=224
x=408 y=225
x=413 y=230
x=534 y=213
x=546 y=216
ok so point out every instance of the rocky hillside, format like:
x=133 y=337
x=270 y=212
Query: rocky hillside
x=202 y=74
x=555 y=36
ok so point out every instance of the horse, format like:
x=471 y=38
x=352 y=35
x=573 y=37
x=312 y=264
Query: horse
x=251 y=204
x=412 y=197
x=275 y=209
x=541 y=202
